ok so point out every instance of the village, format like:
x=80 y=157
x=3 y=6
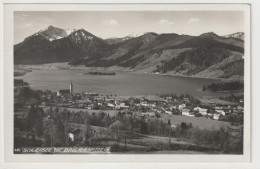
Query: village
x=68 y=118
x=144 y=106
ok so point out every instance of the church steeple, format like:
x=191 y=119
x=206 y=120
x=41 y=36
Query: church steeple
x=71 y=88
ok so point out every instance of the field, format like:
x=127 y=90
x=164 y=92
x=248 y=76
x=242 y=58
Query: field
x=200 y=122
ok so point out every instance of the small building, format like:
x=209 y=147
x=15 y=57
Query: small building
x=186 y=99
x=186 y=112
x=202 y=111
x=216 y=116
x=123 y=106
x=111 y=105
x=168 y=99
x=63 y=92
x=144 y=104
x=181 y=106
x=89 y=94
x=222 y=112
x=71 y=137
x=168 y=112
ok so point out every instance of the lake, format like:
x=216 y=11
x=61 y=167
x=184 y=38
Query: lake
x=121 y=84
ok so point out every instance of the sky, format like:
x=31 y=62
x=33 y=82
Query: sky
x=109 y=24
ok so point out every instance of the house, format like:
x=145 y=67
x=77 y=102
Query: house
x=64 y=92
x=218 y=108
x=203 y=111
x=173 y=126
x=109 y=100
x=216 y=116
x=186 y=99
x=222 y=112
x=182 y=106
x=168 y=99
x=123 y=106
x=210 y=114
x=88 y=94
x=186 y=112
x=168 y=112
x=151 y=105
x=117 y=106
x=144 y=104
x=71 y=137
x=111 y=105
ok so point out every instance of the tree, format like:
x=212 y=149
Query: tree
x=34 y=119
x=204 y=88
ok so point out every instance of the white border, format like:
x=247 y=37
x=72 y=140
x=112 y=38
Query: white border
x=8 y=82
x=256 y=82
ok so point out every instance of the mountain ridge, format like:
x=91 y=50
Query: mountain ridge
x=149 y=51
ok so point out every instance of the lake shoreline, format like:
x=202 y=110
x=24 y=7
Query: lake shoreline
x=62 y=66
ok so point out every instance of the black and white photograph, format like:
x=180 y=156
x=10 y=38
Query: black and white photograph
x=126 y=83
x=129 y=82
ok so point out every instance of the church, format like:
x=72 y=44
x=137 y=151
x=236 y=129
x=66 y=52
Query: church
x=66 y=92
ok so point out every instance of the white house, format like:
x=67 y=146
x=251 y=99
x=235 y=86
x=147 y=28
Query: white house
x=144 y=104
x=216 y=116
x=186 y=112
x=110 y=105
x=168 y=112
x=222 y=112
x=182 y=106
x=71 y=136
x=117 y=106
x=202 y=111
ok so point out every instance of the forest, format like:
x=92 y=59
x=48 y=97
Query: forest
x=225 y=86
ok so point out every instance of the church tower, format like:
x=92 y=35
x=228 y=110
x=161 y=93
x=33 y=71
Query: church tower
x=71 y=88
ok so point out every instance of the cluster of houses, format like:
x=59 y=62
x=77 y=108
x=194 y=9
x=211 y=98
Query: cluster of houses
x=84 y=101
x=150 y=105
x=186 y=108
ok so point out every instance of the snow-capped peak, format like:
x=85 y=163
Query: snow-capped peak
x=81 y=35
x=238 y=35
x=69 y=31
x=134 y=35
x=52 y=33
x=137 y=34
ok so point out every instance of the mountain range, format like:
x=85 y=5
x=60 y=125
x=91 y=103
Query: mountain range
x=206 y=55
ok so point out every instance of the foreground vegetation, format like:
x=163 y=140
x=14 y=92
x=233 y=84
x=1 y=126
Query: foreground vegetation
x=124 y=132
x=225 y=86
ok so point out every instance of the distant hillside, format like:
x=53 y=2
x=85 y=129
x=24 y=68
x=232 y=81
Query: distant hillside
x=207 y=55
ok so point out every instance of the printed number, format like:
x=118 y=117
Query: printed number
x=17 y=150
